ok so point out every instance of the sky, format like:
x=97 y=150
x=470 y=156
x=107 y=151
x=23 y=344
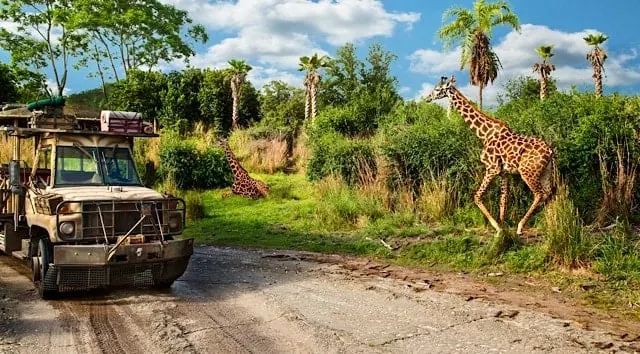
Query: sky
x=271 y=35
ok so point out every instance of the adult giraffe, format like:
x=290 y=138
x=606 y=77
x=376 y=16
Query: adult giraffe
x=505 y=152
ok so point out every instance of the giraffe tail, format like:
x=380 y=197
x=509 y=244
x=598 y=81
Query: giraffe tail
x=550 y=177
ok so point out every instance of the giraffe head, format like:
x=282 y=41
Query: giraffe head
x=222 y=142
x=443 y=89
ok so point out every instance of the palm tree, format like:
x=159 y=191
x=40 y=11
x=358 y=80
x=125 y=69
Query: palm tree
x=311 y=81
x=597 y=56
x=472 y=28
x=544 y=68
x=238 y=72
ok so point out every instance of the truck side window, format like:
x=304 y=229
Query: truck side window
x=43 y=165
x=44 y=157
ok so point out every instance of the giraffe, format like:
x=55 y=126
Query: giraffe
x=243 y=184
x=504 y=153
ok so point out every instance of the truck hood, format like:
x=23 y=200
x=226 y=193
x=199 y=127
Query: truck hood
x=106 y=193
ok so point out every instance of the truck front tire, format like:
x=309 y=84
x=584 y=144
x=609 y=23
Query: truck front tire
x=40 y=266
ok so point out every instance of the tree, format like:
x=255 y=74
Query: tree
x=524 y=88
x=312 y=65
x=180 y=105
x=8 y=82
x=141 y=92
x=134 y=34
x=43 y=37
x=342 y=81
x=544 y=68
x=238 y=73
x=472 y=28
x=215 y=99
x=596 y=57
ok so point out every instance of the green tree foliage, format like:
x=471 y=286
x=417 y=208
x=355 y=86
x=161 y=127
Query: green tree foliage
x=282 y=106
x=20 y=85
x=361 y=93
x=180 y=104
x=44 y=37
x=525 y=88
x=8 y=82
x=141 y=92
x=129 y=35
x=472 y=29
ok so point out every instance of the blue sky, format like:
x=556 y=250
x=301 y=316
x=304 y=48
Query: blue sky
x=272 y=34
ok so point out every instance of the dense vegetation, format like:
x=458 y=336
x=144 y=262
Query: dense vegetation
x=356 y=168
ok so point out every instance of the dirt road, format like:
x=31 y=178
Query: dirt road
x=234 y=300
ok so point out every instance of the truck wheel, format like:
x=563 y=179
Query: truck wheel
x=160 y=285
x=40 y=266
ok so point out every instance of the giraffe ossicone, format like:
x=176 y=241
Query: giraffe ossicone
x=504 y=153
x=243 y=184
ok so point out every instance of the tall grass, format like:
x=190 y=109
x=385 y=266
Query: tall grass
x=565 y=238
x=261 y=155
x=617 y=192
x=6 y=149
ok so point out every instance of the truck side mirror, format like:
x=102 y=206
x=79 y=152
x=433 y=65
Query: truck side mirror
x=14 y=173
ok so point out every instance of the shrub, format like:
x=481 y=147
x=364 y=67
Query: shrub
x=563 y=229
x=335 y=154
x=194 y=205
x=341 y=206
x=192 y=168
x=419 y=151
x=617 y=258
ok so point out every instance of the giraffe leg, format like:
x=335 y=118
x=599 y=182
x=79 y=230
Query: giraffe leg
x=538 y=196
x=504 y=196
x=490 y=174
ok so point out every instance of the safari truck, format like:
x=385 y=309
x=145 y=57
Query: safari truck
x=76 y=210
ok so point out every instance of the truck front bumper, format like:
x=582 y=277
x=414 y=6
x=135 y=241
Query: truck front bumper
x=85 y=267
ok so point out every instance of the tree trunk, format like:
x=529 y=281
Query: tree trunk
x=543 y=88
x=314 y=106
x=307 y=104
x=480 y=96
x=234 y=115
x=597 y=78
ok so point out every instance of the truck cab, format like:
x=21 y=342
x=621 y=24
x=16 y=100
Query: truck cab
x=76 y=208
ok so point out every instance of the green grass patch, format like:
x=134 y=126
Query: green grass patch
x=300 y=215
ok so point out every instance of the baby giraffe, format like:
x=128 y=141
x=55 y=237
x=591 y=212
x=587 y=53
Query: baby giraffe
x=243 y=184
x=505 y=152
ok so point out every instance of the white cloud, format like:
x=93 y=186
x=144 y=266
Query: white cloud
x=276 y=33
x=53 y=88
x=517 y=55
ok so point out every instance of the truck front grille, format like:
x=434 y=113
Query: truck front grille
x=111 y=219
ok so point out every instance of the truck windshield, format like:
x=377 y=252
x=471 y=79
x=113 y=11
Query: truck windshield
x=90 y=166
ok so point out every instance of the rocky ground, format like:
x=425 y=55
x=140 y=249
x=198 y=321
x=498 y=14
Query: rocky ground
x=232 y=300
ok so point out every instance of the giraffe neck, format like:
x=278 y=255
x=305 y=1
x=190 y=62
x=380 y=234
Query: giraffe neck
x=484 y=126
x=233 y=162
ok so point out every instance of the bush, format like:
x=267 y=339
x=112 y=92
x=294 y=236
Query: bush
x=334 y=154
x=418 y=152
x=617 y=258
x=192 y=168
x=194 y=205
x=564 y=234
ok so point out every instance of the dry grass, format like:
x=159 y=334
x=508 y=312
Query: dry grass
x=617 y=193
x=263 y=155
x=436 y=200
x=6 y=150
x=564 y=232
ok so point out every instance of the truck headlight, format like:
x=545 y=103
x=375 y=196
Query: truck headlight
x=175 y=222
x=67 y=228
